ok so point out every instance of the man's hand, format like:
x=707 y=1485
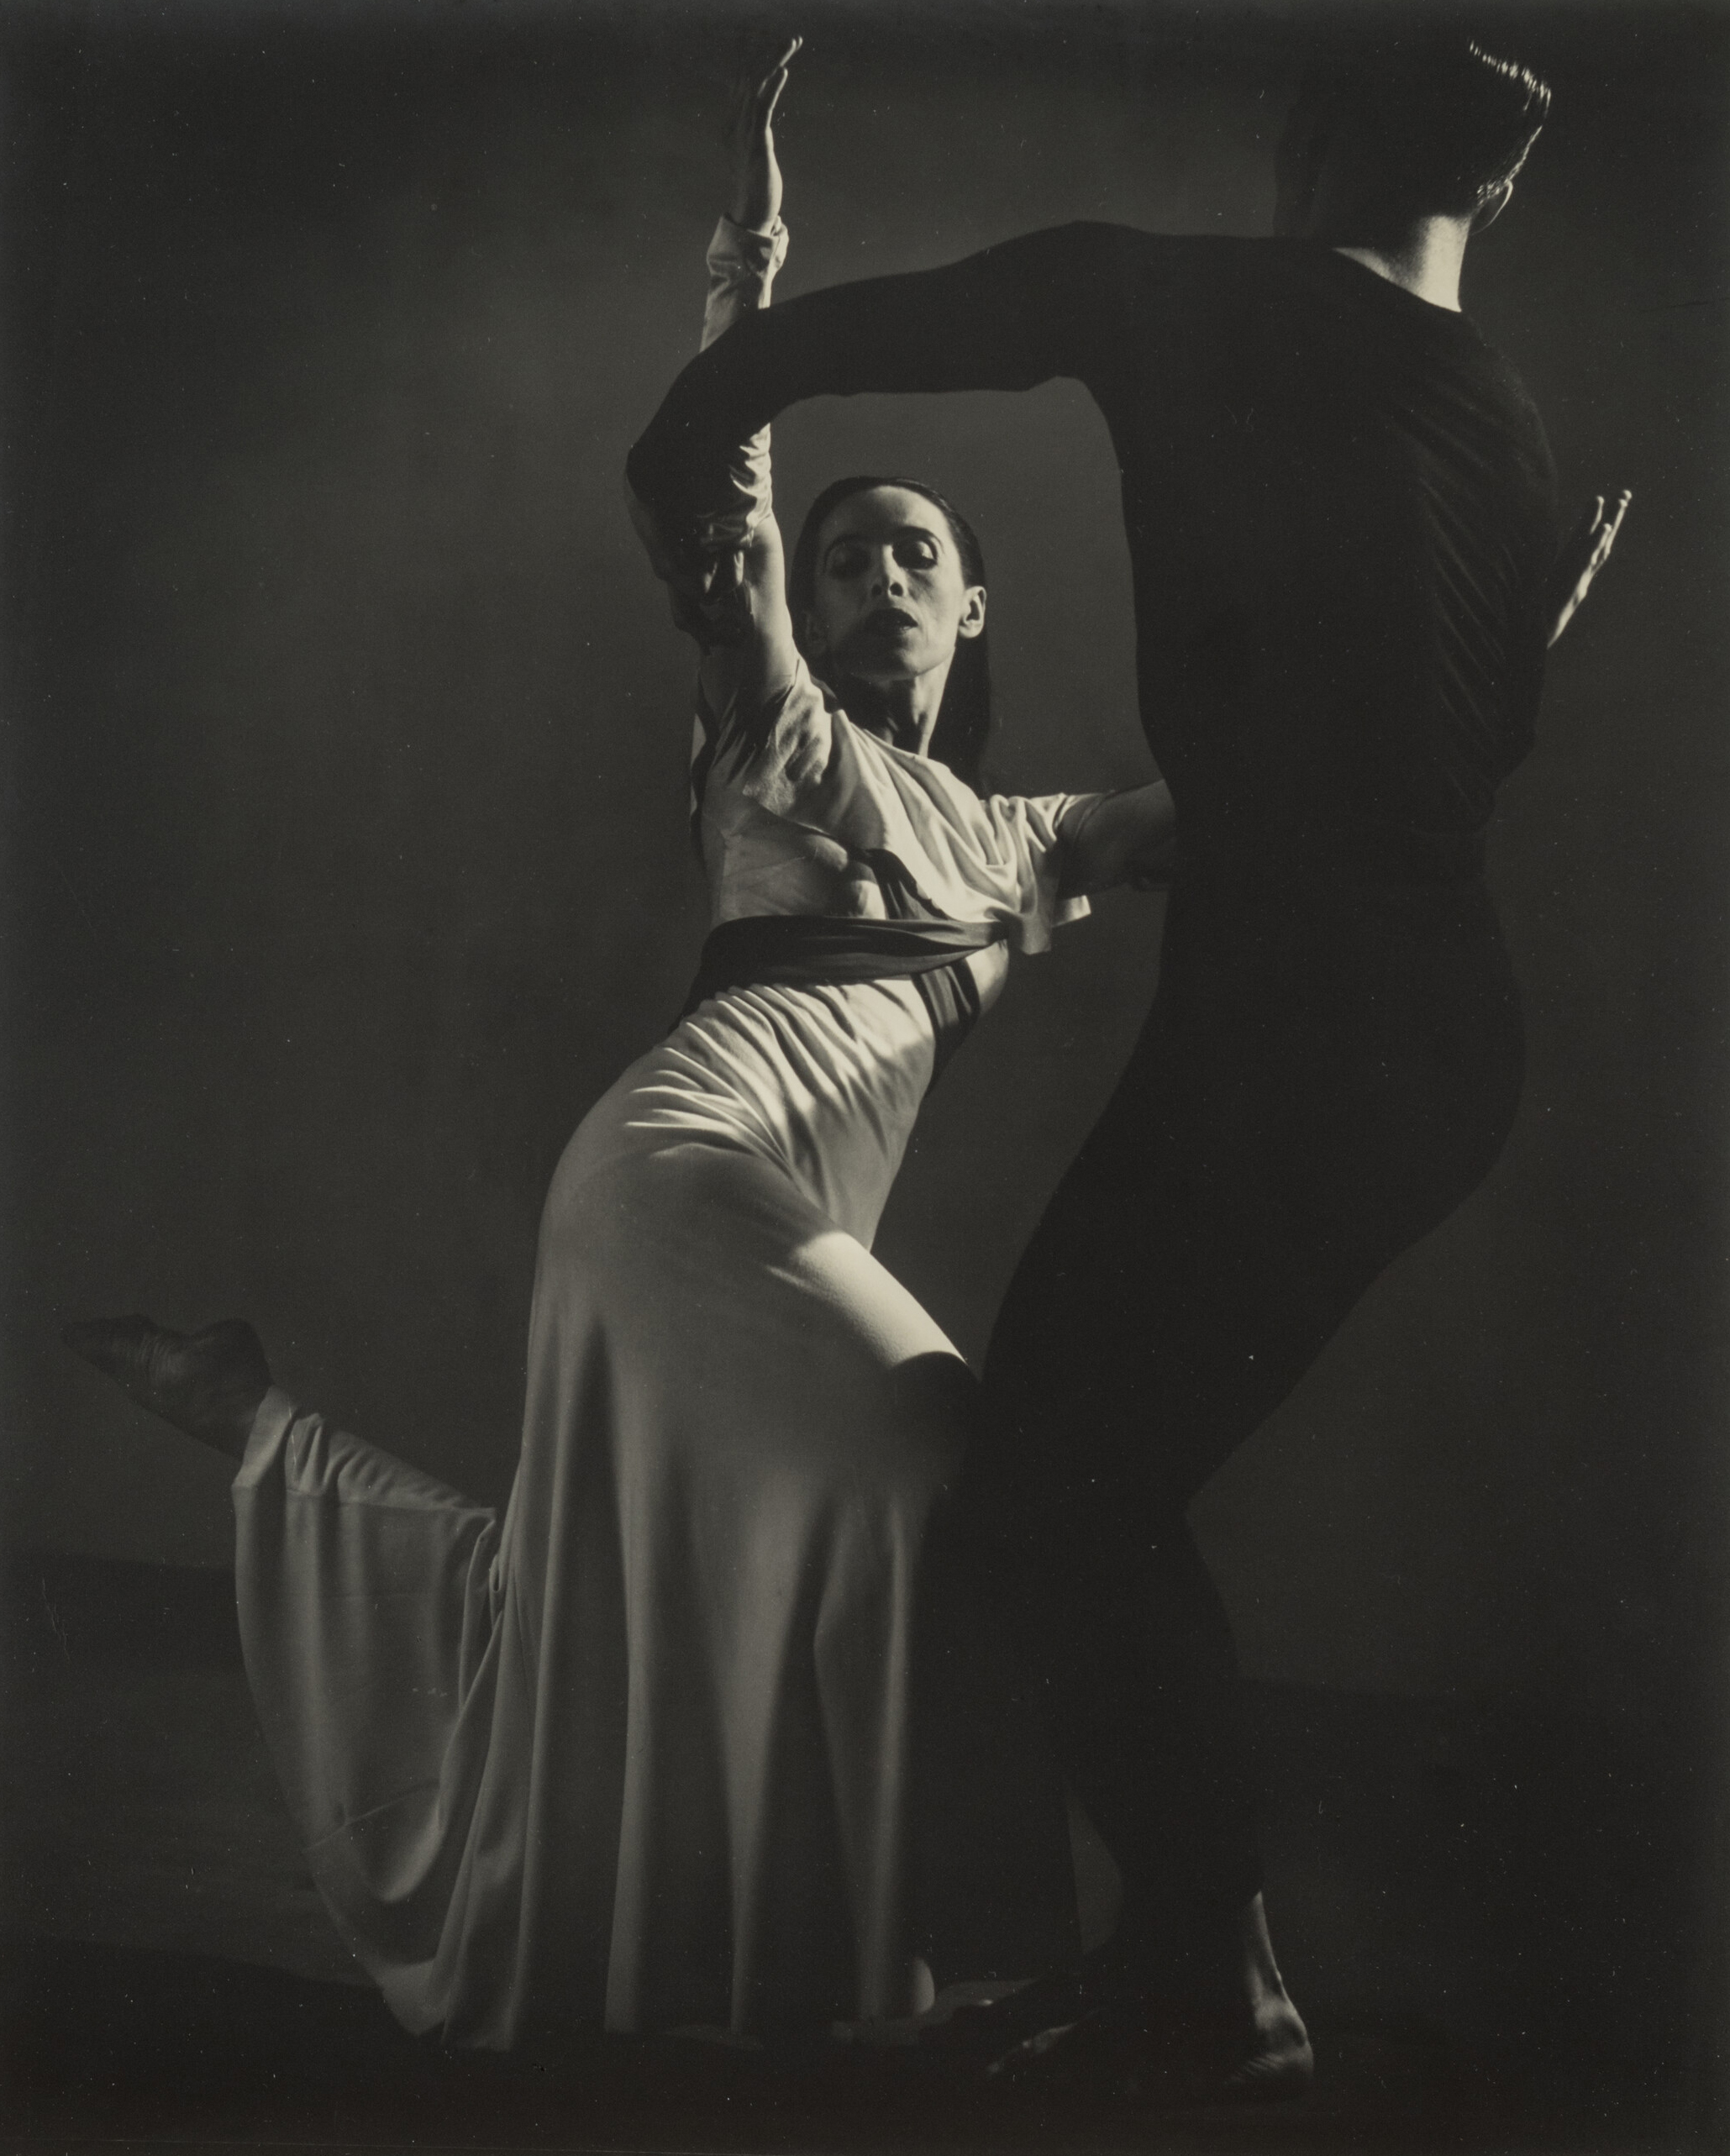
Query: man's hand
x=1584 y=553
x=705 y=591
x=757 y=176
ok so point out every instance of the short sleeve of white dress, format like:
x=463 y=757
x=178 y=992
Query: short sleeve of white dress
x=802 y=764
x=1036 y=831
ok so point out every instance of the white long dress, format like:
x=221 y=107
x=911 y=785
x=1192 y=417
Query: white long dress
x=640 y=1754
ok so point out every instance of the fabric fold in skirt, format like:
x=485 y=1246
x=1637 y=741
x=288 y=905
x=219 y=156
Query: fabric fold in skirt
x=641 y=1752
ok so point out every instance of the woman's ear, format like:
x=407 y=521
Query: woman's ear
x=1492 y=206
x=972 y=621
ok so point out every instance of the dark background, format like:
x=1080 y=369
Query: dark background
x=345 y=853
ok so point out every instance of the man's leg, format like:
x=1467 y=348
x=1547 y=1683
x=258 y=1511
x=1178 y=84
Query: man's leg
x=1303 y=1108
x=1140 y=1345
x=1088 y=1551
x=1135 y=1352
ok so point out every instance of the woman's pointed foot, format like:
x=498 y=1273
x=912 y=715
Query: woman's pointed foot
x=208 y=1384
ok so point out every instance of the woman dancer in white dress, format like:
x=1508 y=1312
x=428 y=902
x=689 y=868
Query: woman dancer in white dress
x=638 y=1754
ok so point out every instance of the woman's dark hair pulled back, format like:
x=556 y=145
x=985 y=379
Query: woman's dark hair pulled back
x=963 y=722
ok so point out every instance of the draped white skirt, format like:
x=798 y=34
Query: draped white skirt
x=642 y=1753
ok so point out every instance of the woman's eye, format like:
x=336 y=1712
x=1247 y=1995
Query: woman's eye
x=916 y=554
x=846 y=563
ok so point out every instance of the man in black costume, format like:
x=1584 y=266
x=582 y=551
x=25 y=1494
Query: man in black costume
x=1340 y=511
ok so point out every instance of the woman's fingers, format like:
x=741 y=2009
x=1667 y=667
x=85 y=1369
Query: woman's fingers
x=756 y=91
x=769 y=89
x=774 y=78
x=757 y=176
x=758 y=87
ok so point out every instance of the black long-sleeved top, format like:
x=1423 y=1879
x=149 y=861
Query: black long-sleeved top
x=1338 y=500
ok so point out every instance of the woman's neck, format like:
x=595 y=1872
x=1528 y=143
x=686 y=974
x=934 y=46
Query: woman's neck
x=902 y=713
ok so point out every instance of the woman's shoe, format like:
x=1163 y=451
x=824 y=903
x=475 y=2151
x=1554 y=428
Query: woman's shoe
x=208 y=1384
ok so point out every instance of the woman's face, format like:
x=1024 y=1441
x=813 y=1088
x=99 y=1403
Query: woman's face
x=889 y=596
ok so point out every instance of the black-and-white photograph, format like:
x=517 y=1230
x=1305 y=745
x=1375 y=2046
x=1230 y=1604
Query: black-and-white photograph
x=865 y=1140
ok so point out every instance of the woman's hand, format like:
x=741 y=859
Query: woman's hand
x=757 y=176
x=1584 y=553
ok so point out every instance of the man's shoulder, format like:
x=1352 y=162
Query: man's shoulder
x=1134 y=242
x=1125 y=262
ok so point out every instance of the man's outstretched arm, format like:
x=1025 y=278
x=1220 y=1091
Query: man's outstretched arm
x=1014 y=316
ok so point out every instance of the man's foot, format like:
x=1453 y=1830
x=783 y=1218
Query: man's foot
x=1153 y=2051
x=1223 y=2030
x=208 y=1384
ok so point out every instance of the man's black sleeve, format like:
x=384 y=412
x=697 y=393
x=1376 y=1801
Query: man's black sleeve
x=1009 y=318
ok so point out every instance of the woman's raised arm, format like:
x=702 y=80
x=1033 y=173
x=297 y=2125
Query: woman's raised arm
x=729 y=590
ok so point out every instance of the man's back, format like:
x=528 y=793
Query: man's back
x=1339 y=507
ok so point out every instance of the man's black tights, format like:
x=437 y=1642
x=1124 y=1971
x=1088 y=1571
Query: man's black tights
x=1316 y=1090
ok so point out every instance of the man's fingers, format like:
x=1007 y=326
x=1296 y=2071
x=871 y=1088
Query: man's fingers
x=1606 y=536
x=1589 y=543
x=679 y=565
x=1588 y=549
